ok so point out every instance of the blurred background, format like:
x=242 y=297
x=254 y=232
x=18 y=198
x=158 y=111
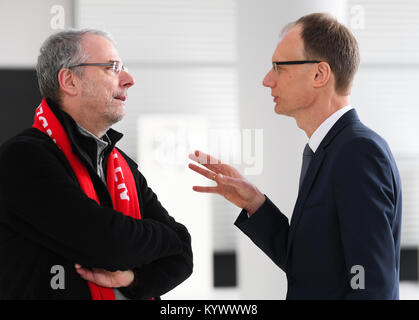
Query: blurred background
x=199 y=66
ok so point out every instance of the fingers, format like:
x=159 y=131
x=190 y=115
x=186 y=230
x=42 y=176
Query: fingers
x=86 y=274
x=206 y=173
x=206 y=160
x=219 y=178
x=213 y=174
x=205 y=189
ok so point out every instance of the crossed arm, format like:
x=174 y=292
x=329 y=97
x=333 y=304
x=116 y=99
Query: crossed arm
x=57 y=215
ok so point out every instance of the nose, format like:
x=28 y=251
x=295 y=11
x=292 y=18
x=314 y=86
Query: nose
x=126 y=79
x=269 y=80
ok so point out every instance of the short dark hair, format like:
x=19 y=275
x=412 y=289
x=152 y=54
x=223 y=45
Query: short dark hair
x=327 y=39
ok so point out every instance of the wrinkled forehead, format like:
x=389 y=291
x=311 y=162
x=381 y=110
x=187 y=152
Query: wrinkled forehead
x=99 y=49
x=290 y=46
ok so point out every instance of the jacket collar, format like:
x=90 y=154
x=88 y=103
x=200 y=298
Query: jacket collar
x=347 y=118
x=319 y=155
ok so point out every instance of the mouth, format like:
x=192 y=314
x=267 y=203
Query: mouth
x=121 y=98
x=276 y=99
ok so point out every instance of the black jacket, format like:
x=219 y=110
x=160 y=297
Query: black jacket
x=47 y=220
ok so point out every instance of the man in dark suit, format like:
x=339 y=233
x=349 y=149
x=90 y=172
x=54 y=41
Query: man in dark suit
x=343 y=241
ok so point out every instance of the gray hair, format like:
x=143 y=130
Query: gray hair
x=61 y=50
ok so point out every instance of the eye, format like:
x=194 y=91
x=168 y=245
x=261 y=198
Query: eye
x=278 y=70
x=117 y=67
x=275 y=68
x=113 y=67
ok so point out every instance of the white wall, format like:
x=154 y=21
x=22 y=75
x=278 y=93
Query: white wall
x=24 y=25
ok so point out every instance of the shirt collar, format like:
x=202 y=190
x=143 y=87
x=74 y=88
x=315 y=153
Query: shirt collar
x=318 y=135
x=83 y=143
x=101 y=143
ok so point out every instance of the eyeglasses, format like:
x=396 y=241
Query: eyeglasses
x=116 y=66
x=275 y=64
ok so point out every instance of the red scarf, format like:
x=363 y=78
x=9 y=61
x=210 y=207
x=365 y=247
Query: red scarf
x=120 y=181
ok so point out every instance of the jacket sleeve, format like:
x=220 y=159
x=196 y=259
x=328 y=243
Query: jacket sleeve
x=365 y=200
x=43 y=201
x=268 y=228
x=162 y=275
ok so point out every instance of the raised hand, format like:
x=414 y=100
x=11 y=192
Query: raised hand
x=230 y=183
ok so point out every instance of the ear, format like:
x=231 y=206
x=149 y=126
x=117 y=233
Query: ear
x=322 y=75
x=68 y=82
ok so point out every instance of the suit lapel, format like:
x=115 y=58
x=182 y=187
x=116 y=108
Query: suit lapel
x=304 y=191
x=314 y=168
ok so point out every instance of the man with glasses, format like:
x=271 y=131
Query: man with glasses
x=77 y=218
x=343 y=240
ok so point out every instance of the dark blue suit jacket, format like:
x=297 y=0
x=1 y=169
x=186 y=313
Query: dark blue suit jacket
x=348 y=213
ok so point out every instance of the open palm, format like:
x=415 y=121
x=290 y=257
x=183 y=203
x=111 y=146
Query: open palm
x=230 y=183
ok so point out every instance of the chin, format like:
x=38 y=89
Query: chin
x=119 y=113
x=114 y=118
x=119 y=117
x=283 y=111
x=278 y=109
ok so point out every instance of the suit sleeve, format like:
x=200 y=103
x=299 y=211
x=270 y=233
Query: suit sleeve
x=44 y=202
x=268 y=229
x=164 y=274
x=365 y=200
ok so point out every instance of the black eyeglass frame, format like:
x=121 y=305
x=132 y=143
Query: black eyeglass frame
x=117 y=67
x=275 y=64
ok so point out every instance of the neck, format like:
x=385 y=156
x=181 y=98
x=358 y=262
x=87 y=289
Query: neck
x=98 y=132
x=85 y=120
x=312 y=117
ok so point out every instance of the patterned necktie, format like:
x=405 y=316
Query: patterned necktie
x=307 y=157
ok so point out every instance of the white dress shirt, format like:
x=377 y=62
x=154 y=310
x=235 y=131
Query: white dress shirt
x=318 y=135
x=323 y=129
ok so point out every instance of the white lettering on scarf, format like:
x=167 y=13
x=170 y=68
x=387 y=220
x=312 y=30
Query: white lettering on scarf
x=44 y=122
x=118 y=170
